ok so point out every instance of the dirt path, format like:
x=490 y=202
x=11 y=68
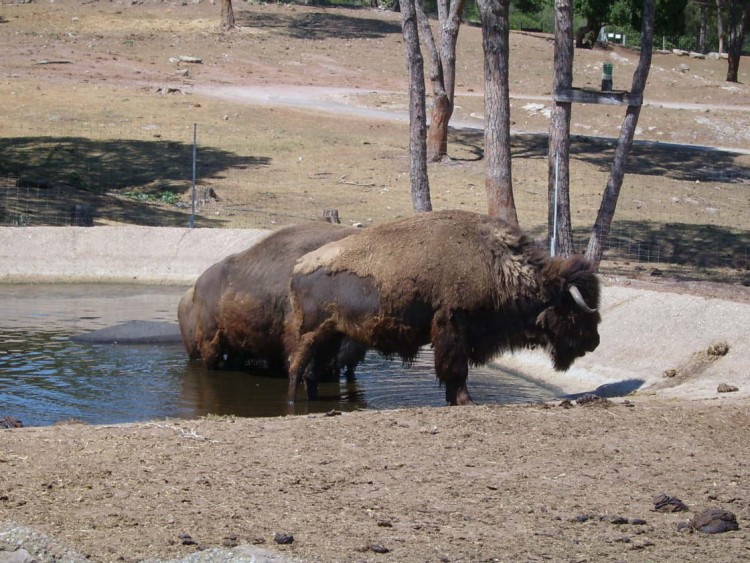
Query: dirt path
x=347 y=102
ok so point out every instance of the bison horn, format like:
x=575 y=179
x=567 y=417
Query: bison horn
x=578 y=298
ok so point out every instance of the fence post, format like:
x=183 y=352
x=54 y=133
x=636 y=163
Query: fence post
x=191 y=223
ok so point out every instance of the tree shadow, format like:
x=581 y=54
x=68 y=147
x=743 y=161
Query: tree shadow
x=667 y=160
x=319 y=25
x=700 y=247
x=677 y=162
x=677 y=250
x=117 y=178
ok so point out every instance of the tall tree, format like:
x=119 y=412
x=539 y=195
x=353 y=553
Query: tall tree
x=600 y=233
x=227 y=16
x=702 y=27
x=559 y=224
x=442 y=72
x=720 y=23
x=596 y=14
x=496 y=45
x=420 y=185
x=739 y=21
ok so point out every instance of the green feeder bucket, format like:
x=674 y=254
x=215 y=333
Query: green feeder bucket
x=606 y=77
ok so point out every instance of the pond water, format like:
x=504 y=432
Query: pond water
x=45 y=377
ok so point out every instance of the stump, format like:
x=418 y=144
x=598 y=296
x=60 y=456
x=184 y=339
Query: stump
x=331 y=216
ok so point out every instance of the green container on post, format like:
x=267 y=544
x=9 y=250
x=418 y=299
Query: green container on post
x=606 y=77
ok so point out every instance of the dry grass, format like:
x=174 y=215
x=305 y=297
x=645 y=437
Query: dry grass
x=94 y=128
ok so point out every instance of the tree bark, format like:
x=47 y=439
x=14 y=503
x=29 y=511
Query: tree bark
x=442 y=72
x=739 y=20
x=420 y=186
x=703 y=28
x=495 y=42
x=720 y=24
x=587 y=35
x=227 y=16
x=600 y=233
x=559 y=226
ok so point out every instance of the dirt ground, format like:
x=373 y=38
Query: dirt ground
x=303 y=109
x=486 y=483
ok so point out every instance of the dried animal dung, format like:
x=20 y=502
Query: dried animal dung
x=283 y=539
x=718 y=349
x=714 y=521
x=665 y=503
x=726 y=388
x=590 y=399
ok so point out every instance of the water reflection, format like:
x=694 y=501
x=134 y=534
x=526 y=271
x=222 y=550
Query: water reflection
x=45 y=377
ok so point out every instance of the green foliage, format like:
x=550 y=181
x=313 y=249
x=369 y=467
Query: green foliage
x=520 y=20
x=593 y=10
x=621 y=13
x=528 y=6
x=166 y=196
x=669 y=19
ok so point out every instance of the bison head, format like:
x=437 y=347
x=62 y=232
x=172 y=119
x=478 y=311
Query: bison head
x=569 y=322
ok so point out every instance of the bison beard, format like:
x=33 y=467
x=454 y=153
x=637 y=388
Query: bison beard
x=470 y=285
x=237 y=310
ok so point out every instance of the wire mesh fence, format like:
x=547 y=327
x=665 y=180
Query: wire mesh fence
x=85 y=175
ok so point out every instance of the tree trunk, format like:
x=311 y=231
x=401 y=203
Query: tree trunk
x=739 y=20
x=495 y=42
x=420 y=186
x=559 y=225
x=442 y=72
x=227 y=16
x=600 y=233
x=587 y=35
x=703 y=28
x=720 y=23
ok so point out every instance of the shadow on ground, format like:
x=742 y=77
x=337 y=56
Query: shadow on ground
x=319 y=25
x=677 y=250
x=677 y=162
x=610 y=390
x=120 y=179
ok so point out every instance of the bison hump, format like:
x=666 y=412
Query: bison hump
x=457 y=257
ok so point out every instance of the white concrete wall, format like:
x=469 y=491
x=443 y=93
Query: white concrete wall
x=154 y=255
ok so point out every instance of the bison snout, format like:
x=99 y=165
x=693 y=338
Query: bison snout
x=592 y=343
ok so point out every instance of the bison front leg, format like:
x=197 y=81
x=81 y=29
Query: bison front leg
x=451 y=363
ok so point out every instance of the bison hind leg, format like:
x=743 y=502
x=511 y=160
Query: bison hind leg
x=312 y=348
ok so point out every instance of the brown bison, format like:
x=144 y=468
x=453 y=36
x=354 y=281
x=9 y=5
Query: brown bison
x=470 y=285
x=236 y=312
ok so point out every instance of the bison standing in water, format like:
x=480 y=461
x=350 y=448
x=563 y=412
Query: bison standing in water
x=470 y=285
x=237 y=310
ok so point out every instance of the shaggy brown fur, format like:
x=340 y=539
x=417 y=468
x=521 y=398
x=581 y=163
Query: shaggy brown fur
x=470 y=285
x=186 y=318
x=237 y=310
